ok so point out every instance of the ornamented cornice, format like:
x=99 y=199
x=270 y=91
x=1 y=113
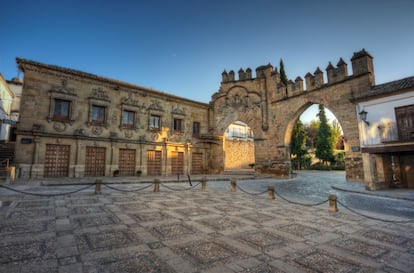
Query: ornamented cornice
x=156 y=106
x=100 y=94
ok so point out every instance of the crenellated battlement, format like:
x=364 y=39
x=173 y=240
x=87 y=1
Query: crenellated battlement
x=361 y=64
x=337 y=74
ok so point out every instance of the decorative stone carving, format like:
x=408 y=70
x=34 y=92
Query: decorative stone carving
x=128 y=133
x=63 y=88
x=100 y=94
x=97 y=130
x=59 y=126
x=80 y=132
x=38 y=128
x=155 y=105
x=114 y=118
x=178 y=111
x=129 y=100
x=241 y=103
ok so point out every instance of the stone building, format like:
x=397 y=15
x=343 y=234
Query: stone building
x=6 y=101
x=386 y=119
x=77 y=124
x=271 y=109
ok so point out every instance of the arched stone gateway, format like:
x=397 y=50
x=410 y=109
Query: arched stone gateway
x=128 y=129
x=271 y=109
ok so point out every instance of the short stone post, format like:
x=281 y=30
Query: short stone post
x=203 y=184
x=270 y=192
x=332 y=203
x=12 y=170
x=98 y=183
x=156 y=185
x=233 y=185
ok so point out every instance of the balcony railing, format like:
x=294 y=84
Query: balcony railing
x=388 y=132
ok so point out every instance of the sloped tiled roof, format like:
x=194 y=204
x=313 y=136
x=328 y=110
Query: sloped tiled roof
x=397 y=85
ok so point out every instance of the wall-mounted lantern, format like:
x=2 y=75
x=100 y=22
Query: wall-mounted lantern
x=363 y=115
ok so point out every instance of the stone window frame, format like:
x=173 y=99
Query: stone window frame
x=58 y=112
x=135 y=122
x=178 y=121
x=178 y=115
x=155 y=114
x=99 y=103
x=196 y=124
x=71 y=98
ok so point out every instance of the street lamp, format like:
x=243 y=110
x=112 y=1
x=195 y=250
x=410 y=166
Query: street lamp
x=363 y=116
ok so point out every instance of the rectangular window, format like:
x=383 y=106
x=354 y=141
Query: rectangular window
x=196 y=128
x=128 y=119
x=155 y=122
x=98 y=114
x=62 y=109
x=178 y=125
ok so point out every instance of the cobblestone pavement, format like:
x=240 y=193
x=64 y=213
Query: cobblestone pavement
x=193 y=231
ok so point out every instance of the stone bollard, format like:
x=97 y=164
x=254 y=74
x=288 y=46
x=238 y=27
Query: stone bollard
x=156 y=185
x=98 y=183
x=332 y=203
x=233 y=185
x=203 y=184
x=270 y=192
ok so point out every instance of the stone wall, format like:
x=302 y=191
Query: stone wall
x=272 y=108
x=38 y=126
x=269 y=107
x=238 y=154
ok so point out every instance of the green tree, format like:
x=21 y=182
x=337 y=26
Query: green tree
x=298 y=145
x=283 y=77
x=311 y=129
x=336 y=133
x=323 y=141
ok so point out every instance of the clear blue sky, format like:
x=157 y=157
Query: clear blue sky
x=181 y=47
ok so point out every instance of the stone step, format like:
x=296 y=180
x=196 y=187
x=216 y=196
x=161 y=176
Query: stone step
x=239 y=171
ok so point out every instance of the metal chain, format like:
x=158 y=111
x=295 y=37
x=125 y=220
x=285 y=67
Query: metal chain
x=251 y=193
x=190 y=188
x=302 y=204
x=371 y=217
x=134 y=190
x=45 y=194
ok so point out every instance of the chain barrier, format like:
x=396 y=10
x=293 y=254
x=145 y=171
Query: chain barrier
x=302 y=204
x=46 y=194
x=251 y=193
x=194 y=186
x=122 y=190
x=186 y=189
x=371 y=217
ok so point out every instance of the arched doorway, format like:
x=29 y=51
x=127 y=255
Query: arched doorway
x=309 y=152
x=238 y=147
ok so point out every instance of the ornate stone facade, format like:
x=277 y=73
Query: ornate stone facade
x=168 y=134
x=271 y=109
x=63 y=107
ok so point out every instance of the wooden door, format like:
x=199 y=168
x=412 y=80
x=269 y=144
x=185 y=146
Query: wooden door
x=95 y=161
x=127 y=162
x=197 y=163
x=405 y=122
x=57 y=160
x=177 y=163
x=154 y=162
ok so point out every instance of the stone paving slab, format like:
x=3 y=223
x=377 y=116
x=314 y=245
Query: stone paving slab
x=194 y=231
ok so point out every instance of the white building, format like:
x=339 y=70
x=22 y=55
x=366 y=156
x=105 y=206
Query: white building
x=6 y=100
x=386 y=128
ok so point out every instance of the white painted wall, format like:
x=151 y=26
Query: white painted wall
x=381 y=114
